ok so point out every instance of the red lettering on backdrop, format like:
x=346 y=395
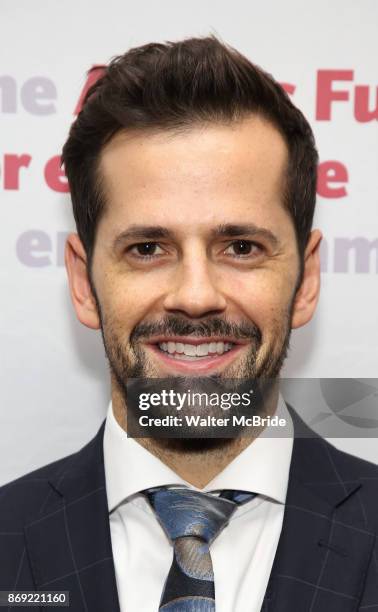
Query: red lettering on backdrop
x=55 y=176
x=361 y=104
x=12 y=166
x=326 y=95
x=330 y=172
x=289 y=88
x=93 y=75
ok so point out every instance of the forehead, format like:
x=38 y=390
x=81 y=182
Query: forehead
x=207 y=172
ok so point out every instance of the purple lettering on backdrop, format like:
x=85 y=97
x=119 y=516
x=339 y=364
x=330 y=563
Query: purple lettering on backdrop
x=37 y=94
x=324 y=255
x=30 y=246
x=362 y=249
x=8 y=90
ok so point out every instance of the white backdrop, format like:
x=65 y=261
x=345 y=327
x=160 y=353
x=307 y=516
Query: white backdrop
x=54 y=381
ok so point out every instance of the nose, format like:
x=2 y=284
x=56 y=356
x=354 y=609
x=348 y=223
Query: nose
x=194 y=291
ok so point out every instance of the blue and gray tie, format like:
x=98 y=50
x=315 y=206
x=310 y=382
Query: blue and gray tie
x=192 y=520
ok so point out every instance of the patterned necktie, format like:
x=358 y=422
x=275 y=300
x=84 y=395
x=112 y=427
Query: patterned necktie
x=192 y=521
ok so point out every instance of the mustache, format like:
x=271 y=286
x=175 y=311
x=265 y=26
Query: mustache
x=180 y=326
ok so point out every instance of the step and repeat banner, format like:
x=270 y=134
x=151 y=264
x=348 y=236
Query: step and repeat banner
x=54 y=377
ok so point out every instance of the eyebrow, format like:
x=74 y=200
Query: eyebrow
x=142 y=232
x=225 y=230
x=244 y=229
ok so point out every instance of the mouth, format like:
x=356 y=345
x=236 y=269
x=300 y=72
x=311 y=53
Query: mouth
x=190 y=354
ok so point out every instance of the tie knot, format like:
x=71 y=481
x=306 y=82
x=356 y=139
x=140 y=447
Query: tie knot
x=183 y=512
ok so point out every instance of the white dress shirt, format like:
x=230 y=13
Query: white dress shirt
x=244 y=551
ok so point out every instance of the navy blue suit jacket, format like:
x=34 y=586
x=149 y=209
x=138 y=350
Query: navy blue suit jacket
x=55 y=535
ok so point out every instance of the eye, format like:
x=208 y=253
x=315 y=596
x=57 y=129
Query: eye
x=145 y=250
x=244 y=249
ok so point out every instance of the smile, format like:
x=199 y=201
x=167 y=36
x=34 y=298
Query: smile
x=193 y=354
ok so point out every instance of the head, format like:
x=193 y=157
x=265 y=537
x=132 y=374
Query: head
x=193 y=182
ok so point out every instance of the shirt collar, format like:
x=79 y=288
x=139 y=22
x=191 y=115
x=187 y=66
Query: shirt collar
x=263 y=467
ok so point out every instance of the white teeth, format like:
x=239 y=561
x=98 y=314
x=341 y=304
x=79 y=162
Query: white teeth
x=195 y=350
x=190 y=349
x=202 y=350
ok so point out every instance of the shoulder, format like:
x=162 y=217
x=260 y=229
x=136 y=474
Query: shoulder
x=333 y=472
x=29 y=496
x=349 y=464
x=351 y=471
x=25 y=497
x=340 y=464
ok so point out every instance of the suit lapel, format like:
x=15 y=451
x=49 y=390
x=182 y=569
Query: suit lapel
x=324 y=547
x=69 y=544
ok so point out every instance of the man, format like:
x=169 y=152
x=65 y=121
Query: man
x=193 y=183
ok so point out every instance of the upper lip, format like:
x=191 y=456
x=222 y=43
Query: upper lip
x=195 y=340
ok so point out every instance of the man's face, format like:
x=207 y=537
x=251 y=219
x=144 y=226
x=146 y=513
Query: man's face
x=195 y=263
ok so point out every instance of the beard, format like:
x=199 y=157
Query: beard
x=128 y=362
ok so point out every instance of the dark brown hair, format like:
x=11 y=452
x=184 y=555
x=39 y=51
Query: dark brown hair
x=173 y=86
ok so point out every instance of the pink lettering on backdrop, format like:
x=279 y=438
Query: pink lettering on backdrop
x=326 y=95
x=12 y=166
x=93 y=75
x=364 y=109
x=289 y=88
x=332 y=177
x=55 y=176
x=362 y=112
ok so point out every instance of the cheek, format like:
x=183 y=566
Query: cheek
x=265 y=300
x=126 y=303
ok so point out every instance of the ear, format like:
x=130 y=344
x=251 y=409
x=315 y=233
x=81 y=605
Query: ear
x=81 y=294
x=308 y=292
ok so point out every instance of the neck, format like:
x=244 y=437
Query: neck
x=197 y=461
